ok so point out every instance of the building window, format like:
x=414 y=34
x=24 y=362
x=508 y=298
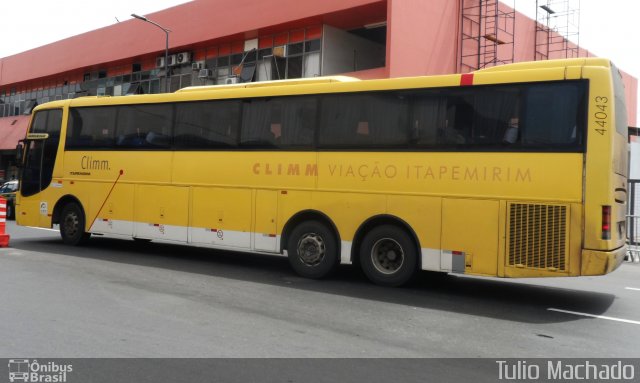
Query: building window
x=287 y=55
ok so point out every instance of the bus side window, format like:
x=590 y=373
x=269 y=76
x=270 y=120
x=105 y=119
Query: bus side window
x=275 y=116
x=376 y=119
x=74 y=129
x=54 y=124
x=387 y=115
x=279 y=122
x=495 y=114
x=297 y=121
x=207 y=124
x=457 y=127
x=551 y=116
x=256 y=124
x=428 y=119
x=91 y=128
x=136 y=122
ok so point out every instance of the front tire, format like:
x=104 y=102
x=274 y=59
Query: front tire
x=312 y=250
x=72 y=225
x=388 y=256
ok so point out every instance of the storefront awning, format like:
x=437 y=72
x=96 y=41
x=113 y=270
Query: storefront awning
x=12 y=130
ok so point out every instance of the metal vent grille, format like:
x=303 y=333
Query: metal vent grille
x=538 y=236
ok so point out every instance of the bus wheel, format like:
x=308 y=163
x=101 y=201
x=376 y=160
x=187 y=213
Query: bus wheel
x=312 y=250
x=388 y=256
x=72 y=223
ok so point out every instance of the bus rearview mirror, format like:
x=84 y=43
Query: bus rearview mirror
x=19 y=153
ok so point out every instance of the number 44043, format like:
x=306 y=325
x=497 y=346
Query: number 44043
x=601 y=114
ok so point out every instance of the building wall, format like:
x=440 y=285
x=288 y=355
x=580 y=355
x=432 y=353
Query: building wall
x=423 y=38
x=197 y=21
x=631 y=95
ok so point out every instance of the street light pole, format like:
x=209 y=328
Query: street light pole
x=166 y=49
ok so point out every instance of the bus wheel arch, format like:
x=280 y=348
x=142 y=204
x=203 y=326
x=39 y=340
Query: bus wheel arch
x=70 y=214
x=399 y=233
x=62 y=202
x=312 y=243
x=306 y=215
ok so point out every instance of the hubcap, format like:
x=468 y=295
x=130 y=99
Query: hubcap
x=387 y=256
x=71 y=224
x=311 y=249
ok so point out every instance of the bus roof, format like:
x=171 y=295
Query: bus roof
x=582 y=61
x=297 y=81
x=322 y=85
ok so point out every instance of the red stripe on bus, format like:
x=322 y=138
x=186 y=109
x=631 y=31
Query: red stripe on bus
x=466 y=79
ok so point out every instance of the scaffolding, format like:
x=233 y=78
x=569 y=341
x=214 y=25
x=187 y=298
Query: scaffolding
x=557 y=29
x=487 y=33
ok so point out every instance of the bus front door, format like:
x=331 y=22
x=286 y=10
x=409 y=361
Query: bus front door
x=41 y=147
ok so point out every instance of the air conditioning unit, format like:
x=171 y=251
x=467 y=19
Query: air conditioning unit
x=160 y=62
x=280 y=51
x=172 y=60
x=183 y=58
x=232 y=80
x=205 y=73
x=198 y=65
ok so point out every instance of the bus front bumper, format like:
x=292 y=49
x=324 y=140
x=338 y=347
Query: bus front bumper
x=596 y=262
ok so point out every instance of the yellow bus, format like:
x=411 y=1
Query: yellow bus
x=518 y=170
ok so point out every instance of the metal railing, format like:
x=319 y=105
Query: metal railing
x=633 y=238
x=633 y=222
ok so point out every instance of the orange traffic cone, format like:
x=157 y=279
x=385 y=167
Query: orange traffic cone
x=4 y=238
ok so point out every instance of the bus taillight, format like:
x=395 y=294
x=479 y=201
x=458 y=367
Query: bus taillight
x=606 y=222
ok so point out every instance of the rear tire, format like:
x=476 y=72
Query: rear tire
x=72 y=225
x=388 y=256
x=312 y=250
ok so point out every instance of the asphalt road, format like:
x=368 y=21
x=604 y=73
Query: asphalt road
x=117 y=298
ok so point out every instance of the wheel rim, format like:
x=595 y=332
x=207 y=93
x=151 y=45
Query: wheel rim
x=387 y=256
x=311 y=249
x=71 y=224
